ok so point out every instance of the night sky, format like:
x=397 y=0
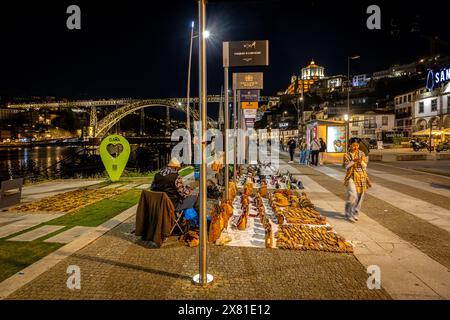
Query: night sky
x=140 y=48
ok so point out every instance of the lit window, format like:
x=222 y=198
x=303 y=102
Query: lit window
x=434 y=105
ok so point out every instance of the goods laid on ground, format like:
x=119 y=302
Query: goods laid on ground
x=277 y=180
x=304 y=237
x=286 y=217
x=68 y=201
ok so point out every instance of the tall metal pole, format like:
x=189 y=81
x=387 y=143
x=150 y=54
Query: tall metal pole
x=202 y=278
x=188 y=108
x=225 y=134
x=347 y=133
x=235 y=135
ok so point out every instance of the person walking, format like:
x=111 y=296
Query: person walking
x=302 y=147
x=291 y=146
x=356 y=181
x=315 y=149
x=323 y=148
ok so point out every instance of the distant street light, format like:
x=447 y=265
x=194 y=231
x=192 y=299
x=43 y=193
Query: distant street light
x=347 y=129
x=349 y=83
x=206 y=34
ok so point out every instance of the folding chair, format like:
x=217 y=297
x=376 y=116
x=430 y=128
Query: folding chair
x=178 y=217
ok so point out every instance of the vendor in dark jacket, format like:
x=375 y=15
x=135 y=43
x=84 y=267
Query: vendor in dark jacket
x=169 y=181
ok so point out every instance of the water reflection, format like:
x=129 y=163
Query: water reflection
x=19 y=161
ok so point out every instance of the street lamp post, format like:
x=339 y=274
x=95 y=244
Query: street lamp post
x=348 y=93
x=206 y=34
x=347 y=129
x=188 y=109
x=203 y=278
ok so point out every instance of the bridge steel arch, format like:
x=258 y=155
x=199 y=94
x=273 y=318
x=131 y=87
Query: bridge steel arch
x=106 y=123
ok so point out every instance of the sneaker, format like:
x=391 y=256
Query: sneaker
x=291 y=162
x=351 y=219
x=356 y=218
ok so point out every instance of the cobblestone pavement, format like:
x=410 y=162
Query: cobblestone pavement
x=430 y=239
x=119 y=266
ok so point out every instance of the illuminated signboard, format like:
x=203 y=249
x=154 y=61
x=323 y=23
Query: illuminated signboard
x=248 y=81
x=246 y=53
x=335 y=139
x=435 y=78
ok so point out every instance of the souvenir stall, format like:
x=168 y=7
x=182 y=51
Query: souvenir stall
x=258 y=214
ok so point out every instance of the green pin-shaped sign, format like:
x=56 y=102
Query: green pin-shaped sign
x=115 y=151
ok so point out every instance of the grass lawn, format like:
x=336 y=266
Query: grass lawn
x=15 y=256
x=186 y=171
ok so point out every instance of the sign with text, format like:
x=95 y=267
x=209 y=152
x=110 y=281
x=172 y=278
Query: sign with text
x=250 y=123
x=249 y=95
x=435 y=78
x=114 y=152
x=245 y=53
x=248 y=81
x=250 y=113
x=249 y=105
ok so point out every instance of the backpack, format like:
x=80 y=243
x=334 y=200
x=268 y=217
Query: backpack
x=364 y=147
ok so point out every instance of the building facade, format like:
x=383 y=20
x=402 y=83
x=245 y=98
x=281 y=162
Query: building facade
x=405 y=111
x=370 y=125
x=432 y=109
x=309 y=76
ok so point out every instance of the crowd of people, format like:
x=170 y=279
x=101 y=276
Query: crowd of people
x=312 y=155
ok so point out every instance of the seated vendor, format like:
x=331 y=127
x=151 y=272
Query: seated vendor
x=169 y=181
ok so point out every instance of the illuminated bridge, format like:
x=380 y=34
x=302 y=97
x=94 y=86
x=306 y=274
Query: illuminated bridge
x=125 y=107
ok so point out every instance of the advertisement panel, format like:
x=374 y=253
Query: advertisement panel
x=250 y=113
x=249 y=95
x=248 y=81
x=335 y=139
x=245 y=53
x=249 y=105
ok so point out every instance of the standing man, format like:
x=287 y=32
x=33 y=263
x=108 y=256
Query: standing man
x=291 y=145
x=323 y=148
x=315 y=148
x=356 y=181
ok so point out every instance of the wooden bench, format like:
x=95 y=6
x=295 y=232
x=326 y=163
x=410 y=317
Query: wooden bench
x=10 y=192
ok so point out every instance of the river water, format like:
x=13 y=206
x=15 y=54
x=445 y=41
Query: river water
x=15 y=160
x=43 y=160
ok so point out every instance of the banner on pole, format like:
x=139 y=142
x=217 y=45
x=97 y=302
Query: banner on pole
x=248 y=81
x=249 y=105
x=250 y=113
x=245 y=53
x=249 y=95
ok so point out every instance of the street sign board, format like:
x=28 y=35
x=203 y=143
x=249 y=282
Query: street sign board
x=249 y=95
x=250 y=113
x=248 y=81
x=249 y=105
x=250 y=123
x=245 y=53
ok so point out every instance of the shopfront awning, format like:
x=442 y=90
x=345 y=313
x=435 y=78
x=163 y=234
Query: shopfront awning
x=426 y=132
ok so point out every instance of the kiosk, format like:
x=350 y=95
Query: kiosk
x=333 y=133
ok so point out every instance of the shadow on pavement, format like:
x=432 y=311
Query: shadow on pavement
x=439 y=186
x=132 y=266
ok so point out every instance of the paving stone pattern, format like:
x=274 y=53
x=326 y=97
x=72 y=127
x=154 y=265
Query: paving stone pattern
x=120 y=266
